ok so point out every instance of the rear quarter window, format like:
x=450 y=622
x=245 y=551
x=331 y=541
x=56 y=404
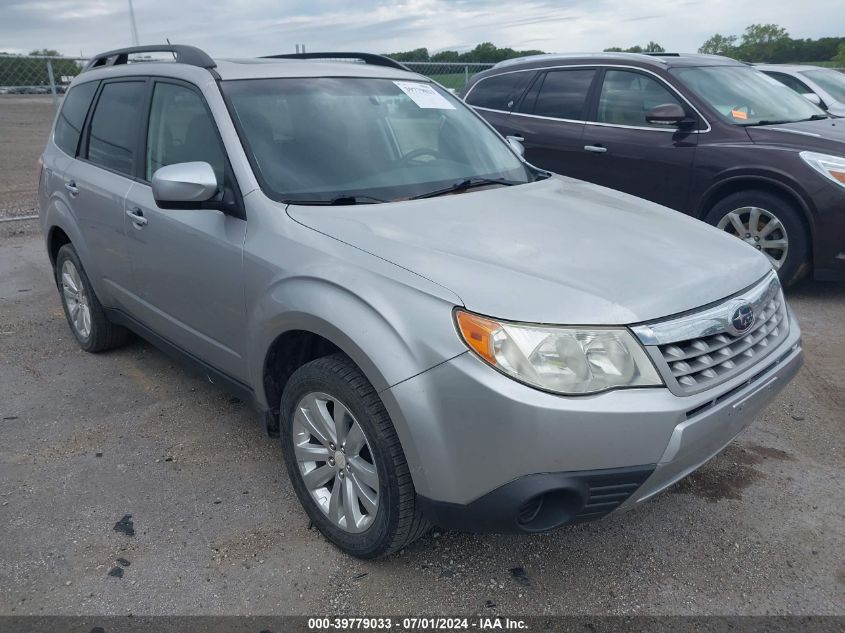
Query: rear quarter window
x=499 y=92
x=72 y=116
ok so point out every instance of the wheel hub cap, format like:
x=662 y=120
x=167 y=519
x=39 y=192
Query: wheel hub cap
x=75 y=300
x=761 y=229
x=335 y=461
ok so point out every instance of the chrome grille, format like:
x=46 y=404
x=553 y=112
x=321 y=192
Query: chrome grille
x=702 y=361
x=698 y=351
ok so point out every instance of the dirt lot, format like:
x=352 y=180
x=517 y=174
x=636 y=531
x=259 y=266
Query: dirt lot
x=208 y=523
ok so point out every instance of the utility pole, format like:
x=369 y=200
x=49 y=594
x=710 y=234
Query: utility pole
x=132 y=24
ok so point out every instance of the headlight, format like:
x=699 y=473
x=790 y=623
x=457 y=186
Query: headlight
x=571 y=361
x=831 y=167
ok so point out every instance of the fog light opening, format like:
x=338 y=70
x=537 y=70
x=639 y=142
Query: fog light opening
x=549 y=510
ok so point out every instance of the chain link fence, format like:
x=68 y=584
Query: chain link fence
x=453 y=76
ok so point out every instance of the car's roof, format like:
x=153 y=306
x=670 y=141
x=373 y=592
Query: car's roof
x=660 y=60
x=255 y=68
x=788 y=67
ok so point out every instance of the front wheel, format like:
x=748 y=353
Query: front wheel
x=345 y=461
x=771 y=224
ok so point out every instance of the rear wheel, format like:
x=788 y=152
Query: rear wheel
x=771 y=224
x=345 y=461
x=84 y=312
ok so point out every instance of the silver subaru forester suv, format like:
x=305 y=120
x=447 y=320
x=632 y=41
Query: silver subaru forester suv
x=438 y=331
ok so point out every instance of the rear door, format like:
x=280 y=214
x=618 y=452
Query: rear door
x=621 y=150
x=550 y=119
x=187 y=262
x=98 y=181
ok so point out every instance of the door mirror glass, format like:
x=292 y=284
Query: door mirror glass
x=184 y=185
x=516 y=144
x=667 y=114
x=812 y=97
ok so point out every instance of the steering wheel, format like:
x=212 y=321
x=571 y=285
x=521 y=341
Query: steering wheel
x=417 y=153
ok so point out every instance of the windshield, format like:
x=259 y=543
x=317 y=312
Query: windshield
x=832 y=81
x=745 y=96
x=345 y=139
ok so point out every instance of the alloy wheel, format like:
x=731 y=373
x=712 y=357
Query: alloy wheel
x=761 y=229
x=76 y=300
x=335 y=461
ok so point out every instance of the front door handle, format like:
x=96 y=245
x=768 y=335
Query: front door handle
x=596 y=149
x=70 y=185
x=137 y=216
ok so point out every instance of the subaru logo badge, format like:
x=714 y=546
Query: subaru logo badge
x=741 y=319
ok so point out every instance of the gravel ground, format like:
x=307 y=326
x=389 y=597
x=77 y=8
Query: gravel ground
x=130 y=485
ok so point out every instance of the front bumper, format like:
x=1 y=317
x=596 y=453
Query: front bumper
x=485 y=452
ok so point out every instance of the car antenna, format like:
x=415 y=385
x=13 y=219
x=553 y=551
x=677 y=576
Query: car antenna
x=167 y=39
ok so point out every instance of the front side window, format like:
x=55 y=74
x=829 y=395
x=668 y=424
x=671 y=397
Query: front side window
x=72 y=116
x=563 y=94
x=832 y=81
x=745 y=96
x=315 y=140
x=627 y=96
x=498 y=92
x=181 y=130
x=790 y=82
x=113 y=134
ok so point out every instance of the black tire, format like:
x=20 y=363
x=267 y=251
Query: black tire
x=398 y=520
x=104 y=334
x=797 y=262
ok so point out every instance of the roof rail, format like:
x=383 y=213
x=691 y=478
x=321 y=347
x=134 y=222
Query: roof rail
x=183 y=54
x=660 y=54
x=367 y=58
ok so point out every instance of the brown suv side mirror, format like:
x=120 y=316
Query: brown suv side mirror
x=668 y=114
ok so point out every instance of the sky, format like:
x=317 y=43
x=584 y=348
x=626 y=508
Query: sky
x=261 y=27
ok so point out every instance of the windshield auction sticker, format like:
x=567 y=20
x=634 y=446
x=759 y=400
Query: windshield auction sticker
x=424 y=95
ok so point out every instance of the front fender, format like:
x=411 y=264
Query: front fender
x=392 y=333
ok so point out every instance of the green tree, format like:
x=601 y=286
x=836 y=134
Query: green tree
x=719 y=44
x=763 y=43
x=46 y=52
x=654 y=47
x=839 y=58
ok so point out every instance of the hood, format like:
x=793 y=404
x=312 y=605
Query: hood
x=556 y=251
x=826 y=136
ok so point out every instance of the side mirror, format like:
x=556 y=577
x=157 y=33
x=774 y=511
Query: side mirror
x=516 y=144
x=184 y=185
x=668 y=114
x=812 y=97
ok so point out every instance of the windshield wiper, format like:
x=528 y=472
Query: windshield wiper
x=463 y=185
x=339 y=201
x=814 y=117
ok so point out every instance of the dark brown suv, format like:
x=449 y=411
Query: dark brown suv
x=705 y=135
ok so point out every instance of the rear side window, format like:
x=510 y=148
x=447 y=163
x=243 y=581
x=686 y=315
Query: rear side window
x=499 y=92
x=181 y=131
x=113 y=135
x=72 y=116
x=563 y=94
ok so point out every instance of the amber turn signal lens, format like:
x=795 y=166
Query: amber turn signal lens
x=478 y=334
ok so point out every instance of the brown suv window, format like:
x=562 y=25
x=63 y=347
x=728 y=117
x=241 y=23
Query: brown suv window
x=563 y=94
x=498 y=92
x=626 y=96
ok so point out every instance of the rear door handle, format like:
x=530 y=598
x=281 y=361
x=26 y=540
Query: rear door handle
x=70 y=185
x=520 y=139
x=137 y=216
x=597 y=149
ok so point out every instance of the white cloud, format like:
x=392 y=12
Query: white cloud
x=254 y=27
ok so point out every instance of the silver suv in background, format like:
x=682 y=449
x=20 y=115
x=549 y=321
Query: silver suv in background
x=437 y=330
x=823 y=86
